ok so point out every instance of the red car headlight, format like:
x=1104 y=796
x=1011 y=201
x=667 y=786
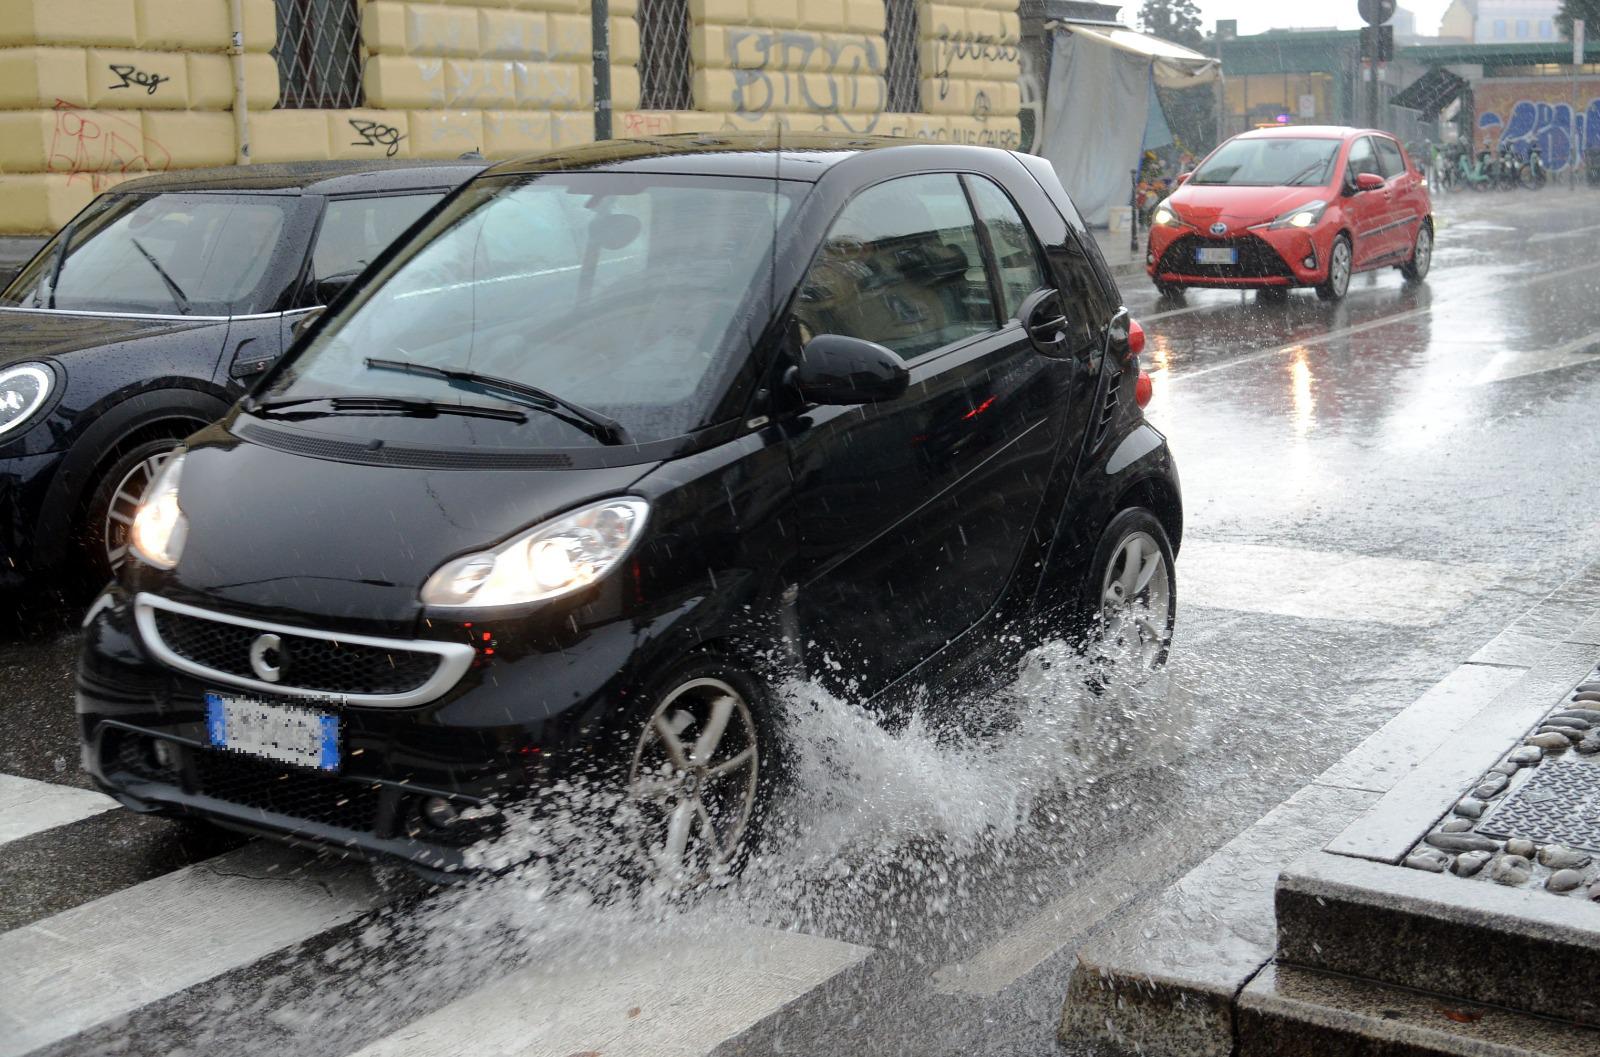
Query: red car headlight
x=1300 y=216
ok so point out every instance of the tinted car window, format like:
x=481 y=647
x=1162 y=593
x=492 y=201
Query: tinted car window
x=901 y=266
x=1015 y=253
x=201 y=254
x=620 y=292
x=1389 y=157
x=1363 y=158
x=355 y=230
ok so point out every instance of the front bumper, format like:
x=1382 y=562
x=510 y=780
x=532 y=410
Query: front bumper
x=24 y=485
x=1264 y=257
x=145 y=741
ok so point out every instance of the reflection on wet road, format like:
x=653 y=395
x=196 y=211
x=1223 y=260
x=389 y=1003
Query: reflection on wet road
x=1374 y=489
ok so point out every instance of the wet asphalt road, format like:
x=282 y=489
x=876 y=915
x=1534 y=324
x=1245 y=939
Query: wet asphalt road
x=1373 y=490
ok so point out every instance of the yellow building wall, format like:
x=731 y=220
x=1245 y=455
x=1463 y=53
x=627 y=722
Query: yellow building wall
x=93 y=92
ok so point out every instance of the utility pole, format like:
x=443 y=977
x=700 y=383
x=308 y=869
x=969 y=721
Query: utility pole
x=1577 y=72
x=1377 y=44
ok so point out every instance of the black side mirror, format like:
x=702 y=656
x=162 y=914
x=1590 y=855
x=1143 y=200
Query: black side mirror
x=331 y=286
x=1045 y=322
x=835 y=369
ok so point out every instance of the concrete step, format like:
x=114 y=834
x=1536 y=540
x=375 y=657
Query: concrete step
x=1287 y=1011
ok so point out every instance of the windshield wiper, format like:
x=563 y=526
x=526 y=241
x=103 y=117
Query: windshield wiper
x=179 y=298
x=380 y=405
x=1303 y=173
x=603 y=428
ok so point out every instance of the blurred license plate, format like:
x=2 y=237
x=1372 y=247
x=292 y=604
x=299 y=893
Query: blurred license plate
x=1216 y=255
x=306 y=737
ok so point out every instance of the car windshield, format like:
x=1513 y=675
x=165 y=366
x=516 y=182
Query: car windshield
x=617 y=292
x=166 y=254
x=1275 y=162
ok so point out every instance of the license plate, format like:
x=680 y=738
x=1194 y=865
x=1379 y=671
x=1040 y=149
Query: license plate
x=1216 y=255
x=306 y=737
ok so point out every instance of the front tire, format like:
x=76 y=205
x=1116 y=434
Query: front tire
x=703 y=770
x=108 y=513
x=1169 y=291
x=1416 y=269
x=1339 y=266
x=1131 y=599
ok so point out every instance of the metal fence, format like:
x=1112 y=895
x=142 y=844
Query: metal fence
x=665 y=78
x=903 y=68
x=319 y=54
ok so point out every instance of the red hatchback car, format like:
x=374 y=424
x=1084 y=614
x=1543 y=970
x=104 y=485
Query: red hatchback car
x=1295 y=206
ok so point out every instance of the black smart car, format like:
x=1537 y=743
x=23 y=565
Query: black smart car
x=148 y=314
x=614 y=438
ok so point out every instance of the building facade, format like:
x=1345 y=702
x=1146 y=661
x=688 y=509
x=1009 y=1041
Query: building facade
x=93 y=92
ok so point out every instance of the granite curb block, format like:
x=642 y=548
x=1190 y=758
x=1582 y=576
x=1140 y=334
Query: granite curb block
x=1190 y=976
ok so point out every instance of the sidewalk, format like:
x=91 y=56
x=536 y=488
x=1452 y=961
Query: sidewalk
x=1434 y=892
x=1124 y=261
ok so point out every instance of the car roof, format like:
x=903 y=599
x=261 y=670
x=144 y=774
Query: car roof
x=1308 y=132
x=793 y=156
x=319 y=177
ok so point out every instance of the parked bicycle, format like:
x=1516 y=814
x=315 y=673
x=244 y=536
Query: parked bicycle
x=1533 y=174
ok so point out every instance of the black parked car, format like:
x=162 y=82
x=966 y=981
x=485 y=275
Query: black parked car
x=148 y=314
x=615 y=437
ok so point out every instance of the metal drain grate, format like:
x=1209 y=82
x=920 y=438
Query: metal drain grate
x=1559 y=804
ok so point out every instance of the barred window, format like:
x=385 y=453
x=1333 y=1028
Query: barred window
x=664 y=75
x=904 y=67
x=319 y=54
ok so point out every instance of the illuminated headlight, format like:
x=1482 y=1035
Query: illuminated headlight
x=549 y=561
x=159 y=527
x=1167 y=217
x=23 y=391
x=1301 y=216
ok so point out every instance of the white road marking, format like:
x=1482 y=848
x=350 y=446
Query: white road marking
x=28 y=806
x=1547 y=236
x=1512 y=363
x=85 y=966
x=1326 y=585
x=666 y=996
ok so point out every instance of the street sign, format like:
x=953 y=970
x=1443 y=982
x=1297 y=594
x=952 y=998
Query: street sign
x=1375 y=12
x=1308 y=106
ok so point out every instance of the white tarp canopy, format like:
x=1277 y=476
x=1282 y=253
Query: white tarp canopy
x=1098 y=102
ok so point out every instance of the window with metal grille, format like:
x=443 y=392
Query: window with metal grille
x=319 y=54
x=664 y=74
x=904 y=67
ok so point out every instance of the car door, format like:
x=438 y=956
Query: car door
x=1369 y=210
x=1403 y=186
x=911 y=513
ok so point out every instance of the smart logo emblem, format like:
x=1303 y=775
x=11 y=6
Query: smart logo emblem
x=266 y=657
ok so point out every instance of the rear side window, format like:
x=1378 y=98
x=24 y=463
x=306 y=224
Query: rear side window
x=1389 y=157
x=1015 y=252
x=356 y=230
x=901 y=266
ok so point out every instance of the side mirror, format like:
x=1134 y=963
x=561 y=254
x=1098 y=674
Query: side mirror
x=835 y=369
x=331 y=286
x=1183 y=178
x=1369 y=181
x=1045 y=322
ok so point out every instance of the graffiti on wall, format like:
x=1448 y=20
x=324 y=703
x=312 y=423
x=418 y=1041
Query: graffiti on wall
x=1526 y=116
x=97 y=146
x=837 y=76
x=950 y=48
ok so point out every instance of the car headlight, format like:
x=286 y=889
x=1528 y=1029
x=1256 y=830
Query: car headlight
x=1168 y=217
x=23 y=391
x=1301 y=216
x=159 y=527
x=551 y=560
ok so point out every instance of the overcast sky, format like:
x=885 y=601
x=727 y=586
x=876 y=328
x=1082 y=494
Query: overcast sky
x=1255 y=16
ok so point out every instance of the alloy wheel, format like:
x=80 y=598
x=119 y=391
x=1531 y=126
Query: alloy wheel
x=695 y=774
x=1136 y=601
x=125 y=499
x=1339 y=269
x=1422 y=256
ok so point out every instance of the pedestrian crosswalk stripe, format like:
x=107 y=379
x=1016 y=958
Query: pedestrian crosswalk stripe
x=28 y=806
x=680 y=992
x=83 y=967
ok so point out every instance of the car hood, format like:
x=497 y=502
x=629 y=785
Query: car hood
x=31 y=335
x=346 y=545
x=1240 y=206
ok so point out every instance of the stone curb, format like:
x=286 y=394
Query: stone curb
x=1170 y=983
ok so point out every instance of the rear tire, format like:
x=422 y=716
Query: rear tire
x=1339 y=267
x=1416 y=269
x=1130 y=600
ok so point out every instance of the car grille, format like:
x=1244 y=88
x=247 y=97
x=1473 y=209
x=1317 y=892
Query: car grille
x=1257 y=260
x=266 y=786
x=323 y=665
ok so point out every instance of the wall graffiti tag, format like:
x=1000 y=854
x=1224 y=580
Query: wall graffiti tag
x=376 y=134
x=94 y=146
x=951 y=47
x=1515 y=114
x=133 y=77
x=840 y=77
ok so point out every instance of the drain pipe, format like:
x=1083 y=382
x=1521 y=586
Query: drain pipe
x=241 y=109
